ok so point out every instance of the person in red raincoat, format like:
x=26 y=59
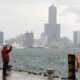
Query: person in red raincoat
x=5 y=57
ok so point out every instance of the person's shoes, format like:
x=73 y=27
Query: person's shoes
x=5 y=74
x=9 y=67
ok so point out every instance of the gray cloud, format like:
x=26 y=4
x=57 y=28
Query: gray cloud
x=67 y=2
x=58 y=2
x=75 y=10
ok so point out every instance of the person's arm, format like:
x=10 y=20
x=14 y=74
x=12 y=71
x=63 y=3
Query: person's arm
x=9 y=50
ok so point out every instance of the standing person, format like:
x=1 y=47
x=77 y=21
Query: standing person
x=5 y=57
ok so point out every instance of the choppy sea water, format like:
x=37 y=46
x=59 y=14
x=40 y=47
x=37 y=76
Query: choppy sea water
x=41 y=59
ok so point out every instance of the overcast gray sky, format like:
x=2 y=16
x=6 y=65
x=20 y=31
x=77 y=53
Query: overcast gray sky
x=18 y=16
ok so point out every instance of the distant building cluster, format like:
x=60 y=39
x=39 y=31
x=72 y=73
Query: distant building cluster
x=29 y=39
x=49 y=38
x=24 y=40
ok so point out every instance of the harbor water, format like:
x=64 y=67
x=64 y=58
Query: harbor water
x=41 y=59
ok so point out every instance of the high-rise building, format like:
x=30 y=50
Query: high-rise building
x=76 y=37
x=79 y=38
x=52 y=29
x=1 y=38
x=29 y=39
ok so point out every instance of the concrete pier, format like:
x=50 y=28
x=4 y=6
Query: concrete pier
x=15 y=75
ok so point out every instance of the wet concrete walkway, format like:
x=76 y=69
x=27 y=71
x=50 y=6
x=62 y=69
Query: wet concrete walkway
x=14 y=75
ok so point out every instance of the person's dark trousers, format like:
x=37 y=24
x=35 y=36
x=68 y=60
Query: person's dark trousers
x=5 y=65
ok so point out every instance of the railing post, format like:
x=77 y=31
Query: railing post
x=71 y=67
x=50 y=74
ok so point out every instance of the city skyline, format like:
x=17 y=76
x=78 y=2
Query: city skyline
x=20 y=17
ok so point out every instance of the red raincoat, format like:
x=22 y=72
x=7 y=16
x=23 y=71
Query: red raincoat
x=5 y=54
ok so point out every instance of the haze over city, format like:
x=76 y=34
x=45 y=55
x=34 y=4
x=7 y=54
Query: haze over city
x=19 y=16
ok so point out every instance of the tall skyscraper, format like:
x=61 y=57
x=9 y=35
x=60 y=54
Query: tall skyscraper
x=52 y=29
x=52 y=14
x=1 y=38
